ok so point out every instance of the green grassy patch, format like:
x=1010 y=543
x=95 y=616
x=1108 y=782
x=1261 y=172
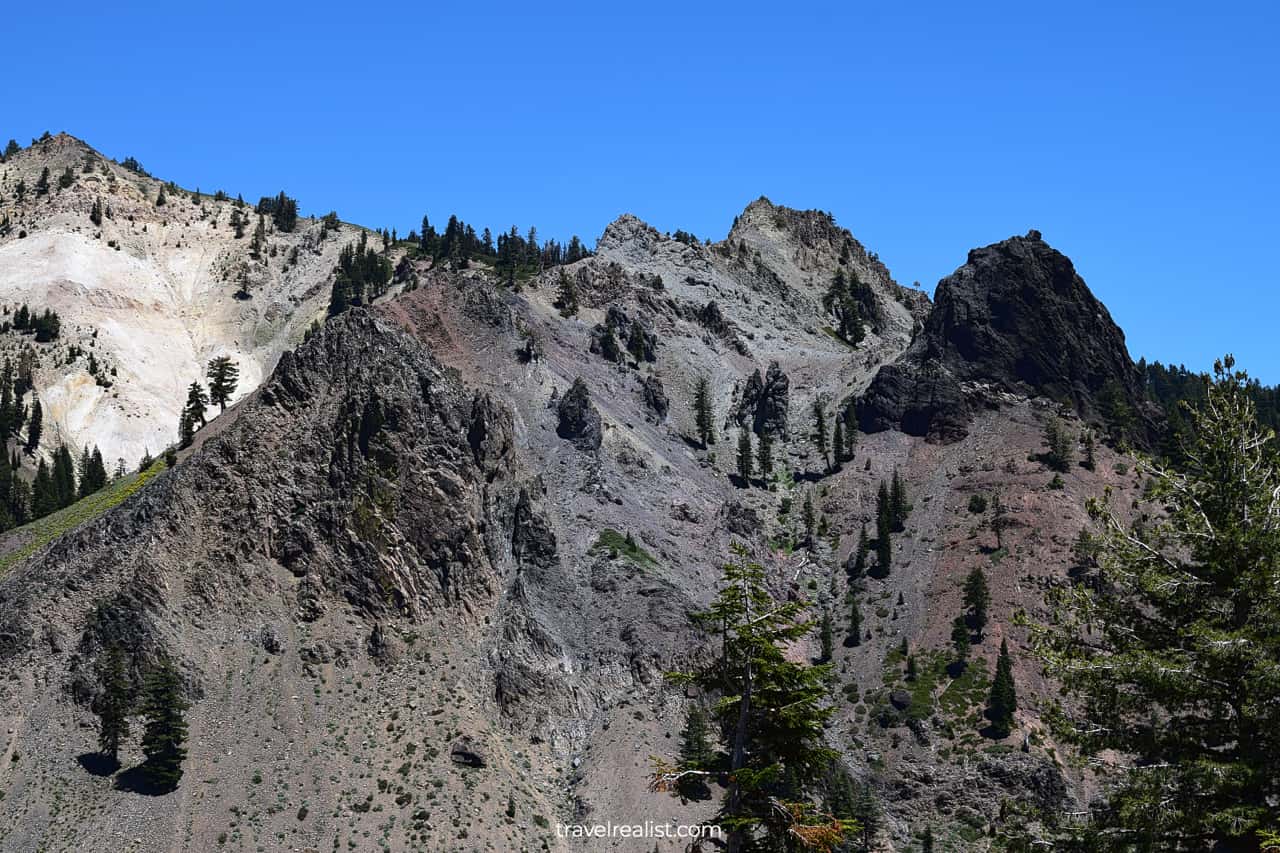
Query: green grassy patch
x=617 y=543
x=965 y=692
x=35 y=535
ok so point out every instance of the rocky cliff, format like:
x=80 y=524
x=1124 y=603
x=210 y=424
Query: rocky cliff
x=1016 y=318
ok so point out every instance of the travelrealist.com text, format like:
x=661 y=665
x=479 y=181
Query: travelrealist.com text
x=648 y=829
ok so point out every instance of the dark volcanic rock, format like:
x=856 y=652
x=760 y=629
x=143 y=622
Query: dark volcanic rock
x=765 y=402
x=1017 y=318
x=467 y=752
x=579 y=420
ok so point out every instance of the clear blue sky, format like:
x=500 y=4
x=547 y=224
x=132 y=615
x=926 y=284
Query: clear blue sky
x=1142 y=141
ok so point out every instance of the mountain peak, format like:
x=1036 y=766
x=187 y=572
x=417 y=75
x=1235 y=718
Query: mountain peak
x=1018 y=316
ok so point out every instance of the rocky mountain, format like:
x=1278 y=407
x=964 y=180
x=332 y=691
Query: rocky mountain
x=151 y=290
x=1016 y=318
x=424 y=583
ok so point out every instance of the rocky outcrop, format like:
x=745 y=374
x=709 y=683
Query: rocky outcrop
x=1016 y=318
x=765 y=402
x=620 y=335
x=364 y=467
x=579 y=422
x=654 y=396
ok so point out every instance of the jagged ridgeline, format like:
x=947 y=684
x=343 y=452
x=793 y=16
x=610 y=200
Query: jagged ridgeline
x=442 y=541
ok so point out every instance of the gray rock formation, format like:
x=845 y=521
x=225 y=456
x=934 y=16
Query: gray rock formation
x=579 y=422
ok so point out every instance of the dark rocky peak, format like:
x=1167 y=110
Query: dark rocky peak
x=1015 y=318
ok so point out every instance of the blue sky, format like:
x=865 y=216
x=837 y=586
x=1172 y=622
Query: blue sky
x=1140 y=140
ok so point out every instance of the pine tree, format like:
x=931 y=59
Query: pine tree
x=913 y=671
x=1090 y=461
x=1183 y=658
x=197 y=404
x=755 y=677
x=999 y=519
x=44 y=493
x=867 y=812
x=164 y=737
x=858 y=566
x=977 y=598
x=1003 y=700
x=884 y=530
x=746 y=459
x=960 y=641
x=926 y=840
x=820 y=431
x=34 y=426
x=1056 y=436
x=259 y=239
x=64 y=476
x=42 y=183
x=850 y=433
x=853 y=637
x=113 y=704
x=702 y=415
x=224 y=376
x=95 y=212
x=161 y=199
x=899 y=508
x=696 y=752
x=764 y=455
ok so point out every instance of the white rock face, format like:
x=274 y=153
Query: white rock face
x=151 y=293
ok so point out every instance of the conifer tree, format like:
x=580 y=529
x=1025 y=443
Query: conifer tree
x=820 y=431
x=754 y=674
x=702 y=415
x=113 y=704
x=884 y=531
x=899 y=508
x=926 y=840
x=853 y=637
x=850 y=433
x=197 y=404
x=867 y=812
x=913 y=671
x=858 y=565
x=999 y=519
x=746 y=459
x=960 y=642
x=224 y=376
x=64 y=476
x=808 y=518
x=1090 y=449
x=164 y=736
x=977 y=598
x=44 y=493
x=696 y=752
x=161 y=200
x=1056 y=436
x=42 y=183
x=1003 y=700
x=764 y=455
x=1183 y=659
x=34 y=426
x=259 y=239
